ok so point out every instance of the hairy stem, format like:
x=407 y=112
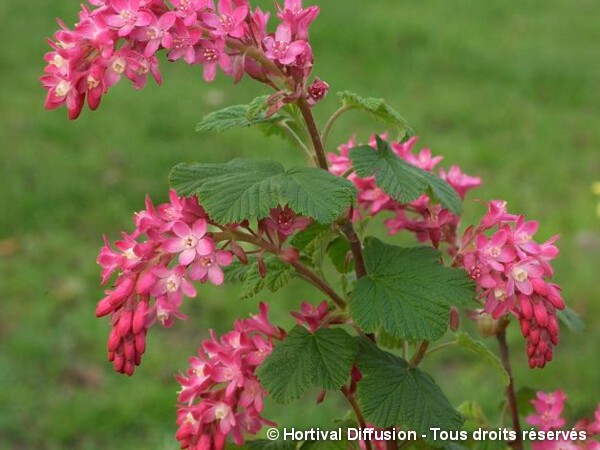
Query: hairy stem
x=329 y=125
x=315 y=137
x=517 y=444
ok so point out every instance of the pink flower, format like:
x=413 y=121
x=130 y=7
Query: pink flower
x=494 y=252
x=190 y=242
x=128 y=16
x=187 y=10
x=212 y=54
x=281 y=48
x=521 y=276
x=182 y=43
x=229 y=21
x=156 y=33
x=172 y=283
x=311 y=316
x=340 y=164
x=548 y=410
x=285 y=222
x=461 y=182
x=209 y=267
x=61 y=91
x=297 y=18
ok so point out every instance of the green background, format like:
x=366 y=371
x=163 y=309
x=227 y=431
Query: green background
x=508 y=90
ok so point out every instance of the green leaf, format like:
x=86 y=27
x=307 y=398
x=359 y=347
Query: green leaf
x=236 y=116
x=571 y=320
x=385 y=340
x=278 y=275
x=338 y=251
x=249 y=189
x=322 y=359
x=407 y=292
x=392 y=393
x=314 y=241
x=257 y=108
x=401 y=180
x=466 y=341
x=378 y=109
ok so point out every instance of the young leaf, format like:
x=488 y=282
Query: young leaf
x=236 y=116
x=466 y=341
x=322 y=359
x=257 y=107
x=278 y=274
x=392 y=393
x=407 y=292
x=249 y=189
x=378 y=109
x=401 y=180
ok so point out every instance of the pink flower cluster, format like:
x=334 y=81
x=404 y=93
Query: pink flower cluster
x=170 y=248
x=548 y=418
x=220 y=394
x=430 y=222
x=121 y=38
x=511 y=271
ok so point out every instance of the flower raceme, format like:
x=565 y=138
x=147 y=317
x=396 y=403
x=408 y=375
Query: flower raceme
x=426 y=219
x=122 y=37
x=548 y=418
x=512 y=273
x=169 y=249
x=220 y=395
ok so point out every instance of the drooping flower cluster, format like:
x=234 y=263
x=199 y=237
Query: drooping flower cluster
x=511 y=271
x=220 y=394
x=156 y=264
x=429 y=221
x=548 y=418
x=120 y=38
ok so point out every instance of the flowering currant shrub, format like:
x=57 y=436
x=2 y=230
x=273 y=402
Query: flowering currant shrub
x=260 y=224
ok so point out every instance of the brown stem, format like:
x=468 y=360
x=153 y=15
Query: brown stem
x=418 y=357
x=315 y=137
x=319 y=283
x=517 y=444
x=356 y=247
x=357 y=411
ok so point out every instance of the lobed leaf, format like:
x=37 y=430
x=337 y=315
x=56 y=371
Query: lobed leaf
x=236 y=116
x=401 y=180
x=378 y=109
x=249 y=189
x=392 y=393
x=322 y=359
x=407 y=292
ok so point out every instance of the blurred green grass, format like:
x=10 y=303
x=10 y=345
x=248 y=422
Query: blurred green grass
x=508 y=90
